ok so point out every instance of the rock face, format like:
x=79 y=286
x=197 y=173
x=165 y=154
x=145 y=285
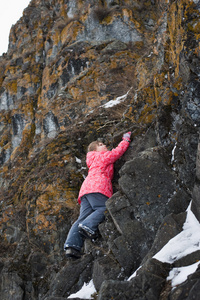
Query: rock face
x=76 y=71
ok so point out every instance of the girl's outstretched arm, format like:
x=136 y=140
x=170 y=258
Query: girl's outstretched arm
x=110 y=157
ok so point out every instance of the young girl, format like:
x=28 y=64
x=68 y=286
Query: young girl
x=95 y=190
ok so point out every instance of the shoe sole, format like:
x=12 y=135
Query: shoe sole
x=71 y=254
x=87 y=235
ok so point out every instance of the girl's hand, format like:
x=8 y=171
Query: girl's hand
x=126 y=136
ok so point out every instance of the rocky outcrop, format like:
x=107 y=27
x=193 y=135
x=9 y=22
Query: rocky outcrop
x=76 y=71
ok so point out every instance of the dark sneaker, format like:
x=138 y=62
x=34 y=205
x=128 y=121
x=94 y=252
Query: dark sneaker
x=72 y=252
x=87 y=233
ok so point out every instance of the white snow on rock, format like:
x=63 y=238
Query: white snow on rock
x=184 y=243
x=179 y=275
x=85 y=292
x=112 y=103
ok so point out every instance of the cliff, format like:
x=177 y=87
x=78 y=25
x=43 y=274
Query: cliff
x=76 y=71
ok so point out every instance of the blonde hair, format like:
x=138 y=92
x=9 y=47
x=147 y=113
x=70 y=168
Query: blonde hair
x=93 y=146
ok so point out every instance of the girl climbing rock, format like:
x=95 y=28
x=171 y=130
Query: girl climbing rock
x=95 y=190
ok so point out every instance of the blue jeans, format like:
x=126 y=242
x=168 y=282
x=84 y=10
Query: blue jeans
x=92 y=211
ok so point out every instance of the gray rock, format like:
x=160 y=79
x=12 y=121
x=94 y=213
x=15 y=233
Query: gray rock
x=11 y=286
x=106 y=268
x=171 y=226
x=118 y=29
x=196 y=201
x=147 y=284
x=187 y=260
x=149 y=184
x=71 y=277
x=196 y=189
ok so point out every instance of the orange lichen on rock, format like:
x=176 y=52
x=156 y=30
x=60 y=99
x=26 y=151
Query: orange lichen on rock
x=70 y=32
x=176 y=14
x=63 y=65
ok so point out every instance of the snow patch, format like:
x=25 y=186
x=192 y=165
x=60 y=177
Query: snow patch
x=112 y=103
x=134 y=274
x=85 y=292
x=186 y=242
x=179 y=275
x=78 y=160
x=173 y=152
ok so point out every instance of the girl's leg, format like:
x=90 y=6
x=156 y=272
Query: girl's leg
x=74 y=239
x=98 y=203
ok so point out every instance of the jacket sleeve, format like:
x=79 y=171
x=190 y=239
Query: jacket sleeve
x=110 y=157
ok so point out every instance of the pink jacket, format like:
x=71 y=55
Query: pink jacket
x=101 y=170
